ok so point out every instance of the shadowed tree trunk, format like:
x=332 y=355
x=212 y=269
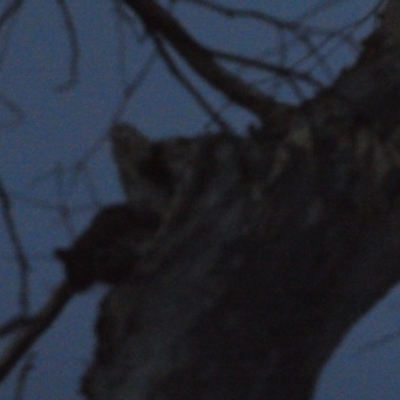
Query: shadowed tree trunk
x=239 y=264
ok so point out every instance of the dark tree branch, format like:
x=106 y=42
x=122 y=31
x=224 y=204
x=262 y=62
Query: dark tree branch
x=131 y=87
x=23 y=377
x=202 y=60
x=255 y=15
x=201 y=100
x=28 y=334
x=278 y=70
x=22 y=259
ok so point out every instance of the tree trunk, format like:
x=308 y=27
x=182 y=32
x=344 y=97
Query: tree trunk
x=270 y=249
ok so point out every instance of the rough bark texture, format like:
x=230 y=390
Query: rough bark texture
x=269 y=247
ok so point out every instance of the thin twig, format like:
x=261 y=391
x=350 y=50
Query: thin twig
x=27 y=335
x=6 y=210
x=202 y=60
x=23 y=376
x=74 y=46
x=134 y=85
x=215 y=117
x=276 y=69
x=14 y=109
x=10 y=11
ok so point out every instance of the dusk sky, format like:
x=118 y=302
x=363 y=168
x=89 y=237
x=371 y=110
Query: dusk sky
x=58 y=155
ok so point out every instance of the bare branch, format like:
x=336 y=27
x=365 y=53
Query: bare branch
x=27 y=336
x=8 y=20
x=262 y=65
x=126 y=15
x=74 y=46
x=14 y=324
x=134 y=85
x=10 y=12
x=234 y=12
x=313 y=38
x=330 y=3
x=23 y=376
x=215 y=117
x=19 y=251
x=201 y=59
x=14 y=109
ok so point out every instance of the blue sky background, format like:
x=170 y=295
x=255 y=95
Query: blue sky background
x=40 y=164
